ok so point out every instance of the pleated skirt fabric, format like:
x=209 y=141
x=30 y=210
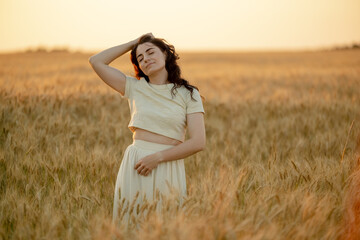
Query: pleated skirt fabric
x=133 y=191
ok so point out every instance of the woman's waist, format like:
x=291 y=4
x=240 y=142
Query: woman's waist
x=145 y=135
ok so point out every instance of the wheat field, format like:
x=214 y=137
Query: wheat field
x=281 y=133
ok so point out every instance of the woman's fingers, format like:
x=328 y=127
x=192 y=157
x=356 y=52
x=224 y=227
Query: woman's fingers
x=147 y=172
x=143 y=171
x=149 y=34
x=139 y=168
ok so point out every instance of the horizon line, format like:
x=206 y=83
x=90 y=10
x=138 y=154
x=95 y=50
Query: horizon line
x=65 y=48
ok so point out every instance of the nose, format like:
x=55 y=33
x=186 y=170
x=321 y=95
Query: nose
x=145 y=58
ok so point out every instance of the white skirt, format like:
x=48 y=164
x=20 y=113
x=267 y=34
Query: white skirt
x=166 y=179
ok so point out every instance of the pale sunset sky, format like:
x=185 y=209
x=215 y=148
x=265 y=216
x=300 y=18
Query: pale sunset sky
x=91 y=25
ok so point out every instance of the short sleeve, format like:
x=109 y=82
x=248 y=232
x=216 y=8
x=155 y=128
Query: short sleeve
x=129 y=86
x=194 y=106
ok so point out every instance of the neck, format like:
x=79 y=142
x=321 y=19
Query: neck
x=160 y=77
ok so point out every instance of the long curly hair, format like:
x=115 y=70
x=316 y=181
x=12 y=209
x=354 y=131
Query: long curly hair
x=171 y=66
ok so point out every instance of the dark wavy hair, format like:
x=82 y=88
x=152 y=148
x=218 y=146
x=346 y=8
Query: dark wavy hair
x=171 y=66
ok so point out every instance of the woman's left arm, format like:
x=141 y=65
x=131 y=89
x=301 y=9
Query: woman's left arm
x=195 y=143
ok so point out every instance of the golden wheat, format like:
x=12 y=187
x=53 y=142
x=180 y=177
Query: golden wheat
x=281 y=130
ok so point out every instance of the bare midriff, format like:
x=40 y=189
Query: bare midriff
x=145 y=135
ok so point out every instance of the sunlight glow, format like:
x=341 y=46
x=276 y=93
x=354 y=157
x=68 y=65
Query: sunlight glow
x=189 y=25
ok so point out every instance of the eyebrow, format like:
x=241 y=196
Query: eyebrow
x=145 y=51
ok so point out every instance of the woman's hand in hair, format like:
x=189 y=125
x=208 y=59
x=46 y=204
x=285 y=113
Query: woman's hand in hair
x=135 y=41
x=150 y=34
x=146 y=34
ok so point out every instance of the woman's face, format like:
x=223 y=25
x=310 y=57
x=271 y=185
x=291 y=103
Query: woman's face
x=150 y=58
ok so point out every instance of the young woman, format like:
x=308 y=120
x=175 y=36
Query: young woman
x=162 y=106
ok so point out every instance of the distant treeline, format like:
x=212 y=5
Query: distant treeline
x=42 y=49
x=347 y=47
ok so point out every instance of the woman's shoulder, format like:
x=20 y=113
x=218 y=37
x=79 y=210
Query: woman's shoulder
x=187 y=92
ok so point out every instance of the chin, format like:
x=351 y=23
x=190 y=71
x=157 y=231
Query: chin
x=152 y=71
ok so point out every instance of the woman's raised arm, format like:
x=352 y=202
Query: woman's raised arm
x=111 y=76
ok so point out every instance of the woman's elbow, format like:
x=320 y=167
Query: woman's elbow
x=201 y=145
x=91 y=60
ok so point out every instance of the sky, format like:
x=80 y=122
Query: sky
x=194 y=25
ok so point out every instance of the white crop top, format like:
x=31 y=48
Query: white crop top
x=153 y=109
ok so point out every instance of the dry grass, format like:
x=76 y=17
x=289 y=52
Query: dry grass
x=277 y=164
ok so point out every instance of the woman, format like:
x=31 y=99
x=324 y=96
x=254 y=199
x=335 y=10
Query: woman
x=162 y=107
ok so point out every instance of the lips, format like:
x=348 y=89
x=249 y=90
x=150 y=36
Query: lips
x=148 y=65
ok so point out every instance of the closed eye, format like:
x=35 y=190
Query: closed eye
x=150 y=53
